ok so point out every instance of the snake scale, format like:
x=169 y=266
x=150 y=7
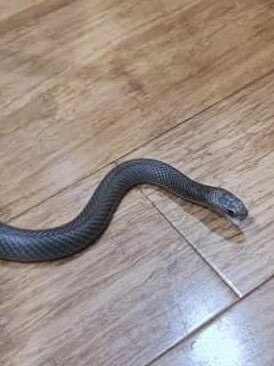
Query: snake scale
x=45 y=245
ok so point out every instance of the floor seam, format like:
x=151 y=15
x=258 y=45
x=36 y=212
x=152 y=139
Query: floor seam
x=194 y=115
x=194 y=331
x=233 y=290
x=209 y=322
x=80 y=180
x=116 y=160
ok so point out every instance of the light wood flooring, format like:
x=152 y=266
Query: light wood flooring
x=85 y=85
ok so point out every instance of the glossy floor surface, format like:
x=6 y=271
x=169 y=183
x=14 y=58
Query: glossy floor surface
x=85 y=85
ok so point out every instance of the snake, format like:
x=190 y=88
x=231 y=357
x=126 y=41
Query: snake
x=29 y=245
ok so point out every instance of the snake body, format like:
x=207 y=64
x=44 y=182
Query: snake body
x=45 y=245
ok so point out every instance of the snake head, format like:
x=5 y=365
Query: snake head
x=227 y=203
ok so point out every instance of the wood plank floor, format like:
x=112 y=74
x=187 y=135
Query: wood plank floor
x=237 y=153
x=87 y=84
x=241 y=336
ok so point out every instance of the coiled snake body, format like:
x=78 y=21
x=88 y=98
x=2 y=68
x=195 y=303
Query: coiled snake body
x=50 y=244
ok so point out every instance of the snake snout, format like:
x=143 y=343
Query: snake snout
x=231 y=205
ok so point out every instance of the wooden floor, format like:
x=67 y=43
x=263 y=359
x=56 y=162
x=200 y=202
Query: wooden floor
x=87 y=84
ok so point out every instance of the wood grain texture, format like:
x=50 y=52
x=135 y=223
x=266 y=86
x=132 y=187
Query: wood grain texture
x=230 y=145
x=15 y=14
x=178 y=41
x=137 y=292
x=63 y=206
x=242 y=336
x=10 y=8
x=83 y=84
x=89 y=82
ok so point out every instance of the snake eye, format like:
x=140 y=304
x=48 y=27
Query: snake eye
x=231 y=213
